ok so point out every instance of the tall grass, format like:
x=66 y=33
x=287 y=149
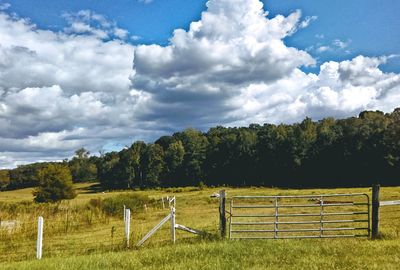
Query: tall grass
x=87 y=232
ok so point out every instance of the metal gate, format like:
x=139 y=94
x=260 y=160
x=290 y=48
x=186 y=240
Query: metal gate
x=308 y=216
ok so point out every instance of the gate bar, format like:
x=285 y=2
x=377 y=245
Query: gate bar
x=307 y=215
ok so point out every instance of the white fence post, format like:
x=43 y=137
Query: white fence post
x=127 y=225
x=173 y=231
x=39 y=243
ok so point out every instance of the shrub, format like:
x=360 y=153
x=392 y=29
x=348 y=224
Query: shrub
x=114 y=205
x=96 y=203
x=55 y=184
x=202 y=185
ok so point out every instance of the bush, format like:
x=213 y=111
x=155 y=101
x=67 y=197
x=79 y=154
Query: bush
x=95 y=203
x=114 y=205
x=55 y=184
x=202 y=185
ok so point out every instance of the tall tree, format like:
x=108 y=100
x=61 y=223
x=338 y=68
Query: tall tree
x=174 y=156
x=153 y=165
x=82 y=167
x=195 y=144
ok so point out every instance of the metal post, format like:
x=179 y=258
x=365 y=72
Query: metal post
x=375 y=211
x=276 y=218
x=230 y=220
x=162 y=201
x=39 y=243
x=321 y=218
x=222 y=219
x=127 y=225
x=173 y=232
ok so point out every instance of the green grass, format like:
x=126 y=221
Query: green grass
x=86 y=242
x=275 y=254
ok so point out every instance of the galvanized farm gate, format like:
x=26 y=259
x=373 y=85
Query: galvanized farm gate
x=305 y=216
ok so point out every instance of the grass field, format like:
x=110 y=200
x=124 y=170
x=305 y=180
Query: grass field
x=94 y=240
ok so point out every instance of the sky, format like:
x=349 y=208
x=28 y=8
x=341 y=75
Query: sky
x=101 y=74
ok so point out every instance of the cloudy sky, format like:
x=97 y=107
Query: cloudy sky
x=101 y=74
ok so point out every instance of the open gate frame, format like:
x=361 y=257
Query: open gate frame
x=305 y=216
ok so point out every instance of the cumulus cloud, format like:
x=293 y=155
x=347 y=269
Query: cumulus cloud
x=232 y=47
x=233 y=67
x=86 y=86
x=54 y=83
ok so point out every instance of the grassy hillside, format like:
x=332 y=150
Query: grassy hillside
x=77 y=236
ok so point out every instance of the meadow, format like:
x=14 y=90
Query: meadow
x=78 y=234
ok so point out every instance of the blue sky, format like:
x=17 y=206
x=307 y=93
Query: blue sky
x=370 y=27
x=101 y=74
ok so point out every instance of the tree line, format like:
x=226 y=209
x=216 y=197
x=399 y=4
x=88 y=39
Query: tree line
x=355 y=151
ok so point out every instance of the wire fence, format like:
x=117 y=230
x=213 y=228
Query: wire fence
x=74 y=235
x=69 y=233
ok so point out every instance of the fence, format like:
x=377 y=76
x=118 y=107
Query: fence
x=73 y=233
x=174 y=226
x=376 y=204
x=309 y=216
x=316 y=216
x=47 y=237
x=273 y=208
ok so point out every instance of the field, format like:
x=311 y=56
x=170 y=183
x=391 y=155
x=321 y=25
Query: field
x=79 y=236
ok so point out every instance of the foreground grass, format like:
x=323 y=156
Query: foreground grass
x=81 y=248
x=276 y=254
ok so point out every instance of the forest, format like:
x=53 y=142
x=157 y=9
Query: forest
x=356 y=151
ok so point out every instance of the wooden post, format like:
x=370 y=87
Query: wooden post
x=127 y=225
x=173 y=231
x=163 y=205
x=222 y=219
x=375 y=211
x=39 y=243
x=124 y=213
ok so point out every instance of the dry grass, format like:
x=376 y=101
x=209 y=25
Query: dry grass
x=90 y=233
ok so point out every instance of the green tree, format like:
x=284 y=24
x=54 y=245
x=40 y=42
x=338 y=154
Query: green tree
x=4 y=179
x=195 y=145
x=154 y=165
x=55 y=184
x=81 y=166
x=108 y=172
x=173 y=160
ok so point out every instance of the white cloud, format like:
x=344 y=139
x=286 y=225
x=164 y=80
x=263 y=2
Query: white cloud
x=89 y=22
x=341 y=44
x=322 y=49
x=4 y=6
x=63 y=90
x=145 y=1
x=337 y=46
x=135 y=37
x=307 y=21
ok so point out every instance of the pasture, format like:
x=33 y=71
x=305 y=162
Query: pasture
x=79 y=235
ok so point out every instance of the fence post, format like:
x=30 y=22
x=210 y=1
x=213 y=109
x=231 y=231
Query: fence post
x=127 y=225
x=173 y=231
x=124 y=212
x=222 y=219
x=39 y=243
x=375 y=211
